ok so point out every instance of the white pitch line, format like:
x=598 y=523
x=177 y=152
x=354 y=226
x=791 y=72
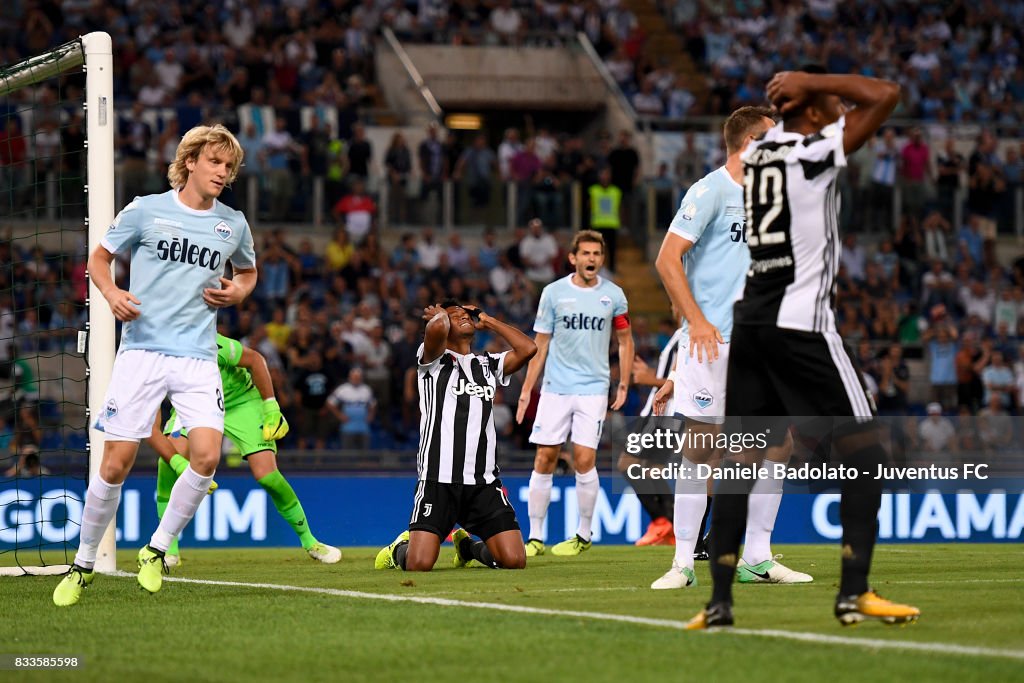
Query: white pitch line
x=867 y=643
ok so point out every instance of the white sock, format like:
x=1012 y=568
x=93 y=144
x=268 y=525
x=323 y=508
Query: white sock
x=587 y=487
x=188 y=492
x=537 y=506
x=762 y=509
x=691 y=501
x=101 y=501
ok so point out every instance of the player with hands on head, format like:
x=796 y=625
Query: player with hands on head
x=457 y=471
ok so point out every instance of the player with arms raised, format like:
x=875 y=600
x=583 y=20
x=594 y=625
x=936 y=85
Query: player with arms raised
x=787 y=357
x=458 y=474
x=575 y=319
x=253 y=421
x=180 y=242
x=703 y=263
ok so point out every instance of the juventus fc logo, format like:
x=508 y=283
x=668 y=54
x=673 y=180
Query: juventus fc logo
x=427 y=507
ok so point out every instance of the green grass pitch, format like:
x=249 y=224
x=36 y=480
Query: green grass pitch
x=972 y=628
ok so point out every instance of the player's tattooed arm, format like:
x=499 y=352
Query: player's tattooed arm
x=436 y=335
x=542 y=340
x=523 y=348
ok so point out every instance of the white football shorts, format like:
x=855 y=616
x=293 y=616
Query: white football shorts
x=699 y=391
x=141 y=379
x=558 y=415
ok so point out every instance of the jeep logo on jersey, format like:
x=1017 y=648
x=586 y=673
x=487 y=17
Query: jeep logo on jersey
x=703 y=399
x=578 y=321
x=480 y=391
x=223 y=231
x=184 y=251
x=111 y=408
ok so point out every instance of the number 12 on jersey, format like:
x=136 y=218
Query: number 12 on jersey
x=764 y=189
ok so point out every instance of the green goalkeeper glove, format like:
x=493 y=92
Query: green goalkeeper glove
x=274 y=425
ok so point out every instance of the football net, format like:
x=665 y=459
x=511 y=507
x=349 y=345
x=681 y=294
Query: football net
x=56 y=188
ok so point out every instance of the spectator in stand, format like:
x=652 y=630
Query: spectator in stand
x=305 y=365
x=949 y=166
x=339 y=250
x=606 y=212
x=647 y=102
x=936 y=433
x=507 y=23
x=398 y=164
x=135 y=136
x=538 y=250
x=357 y=211
x=893 y=382
x=428 y=251
x=458 y=254
x=508 y=148
x=995 y=426
x=279 y=148
x=476 y=166
x=883 y=181
x=433 y=171
x=984 y=187
x=936 y=235
x=360 y=154
x=999 y=381
x=942 y=352
x=915 y=175
x=853 y=258
x=524 y=167
x=624 y=162
x=353 y=405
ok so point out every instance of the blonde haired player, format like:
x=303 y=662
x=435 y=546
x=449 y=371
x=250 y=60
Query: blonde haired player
x=180 y=243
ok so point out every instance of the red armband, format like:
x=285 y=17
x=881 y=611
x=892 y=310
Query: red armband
x=621 y=322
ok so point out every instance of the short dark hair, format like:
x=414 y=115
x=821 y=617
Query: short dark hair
x=740 y=124
x=450 y=302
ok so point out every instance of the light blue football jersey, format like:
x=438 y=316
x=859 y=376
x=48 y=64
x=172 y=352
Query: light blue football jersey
x=579 y=320
x=177 y=252
x=712 y=216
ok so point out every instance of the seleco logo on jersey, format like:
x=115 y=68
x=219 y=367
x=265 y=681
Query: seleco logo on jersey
x=223 y=231
x=480 y=391
x=703 y=399
x=184 y=251
x=578 y=321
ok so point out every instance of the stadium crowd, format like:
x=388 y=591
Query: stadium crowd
x=339 y=323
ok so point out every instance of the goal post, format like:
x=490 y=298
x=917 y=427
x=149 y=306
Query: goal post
x=57 y=189
x=100 y=343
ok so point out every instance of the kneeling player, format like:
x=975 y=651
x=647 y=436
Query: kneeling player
x=253 y=421
x=458 y=475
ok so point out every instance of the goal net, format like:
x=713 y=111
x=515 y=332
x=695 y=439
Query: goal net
x=56 y=187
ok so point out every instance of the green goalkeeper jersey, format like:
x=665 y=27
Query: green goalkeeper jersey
x=236 y=381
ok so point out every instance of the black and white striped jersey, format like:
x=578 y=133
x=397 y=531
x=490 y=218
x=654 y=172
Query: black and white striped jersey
x=666 y=363
x=457 y=437
x=792 y=209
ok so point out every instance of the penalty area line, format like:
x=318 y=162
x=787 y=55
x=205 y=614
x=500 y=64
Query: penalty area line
x=820 y=638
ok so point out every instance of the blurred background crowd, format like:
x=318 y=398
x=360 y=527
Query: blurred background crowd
x=931 y=289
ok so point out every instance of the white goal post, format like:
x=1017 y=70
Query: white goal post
x=94 y=53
